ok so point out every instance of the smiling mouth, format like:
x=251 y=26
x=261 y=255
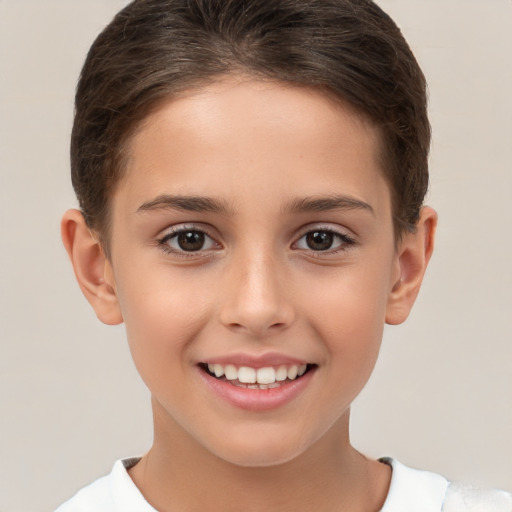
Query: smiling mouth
x=268 y=377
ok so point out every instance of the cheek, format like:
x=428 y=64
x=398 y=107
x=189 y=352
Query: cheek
x=348 y=309
x=163 y=312
x=351 y=328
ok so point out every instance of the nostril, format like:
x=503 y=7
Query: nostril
x=256 y=329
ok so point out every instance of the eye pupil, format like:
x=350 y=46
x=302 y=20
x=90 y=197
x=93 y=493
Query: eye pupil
x=191 y=240
x=320 y=240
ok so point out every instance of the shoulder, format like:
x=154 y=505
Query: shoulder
x=460 y=498
x=96 y=496
x=115 y=492
x=423 y=491
x=414 y=490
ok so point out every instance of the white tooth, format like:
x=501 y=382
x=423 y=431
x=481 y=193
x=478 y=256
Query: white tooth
x=274 y=385
x=281 y=373
x=210 y=368
x=218 y=369
x=231 y=372
x=292 y=372
x=247 y=375
x=265 y=375
x=302 y=370
x=253 y=386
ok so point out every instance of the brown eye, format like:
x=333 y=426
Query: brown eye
x=320 y=240
x=187 y=240
x=190 y=240
x=324 y=240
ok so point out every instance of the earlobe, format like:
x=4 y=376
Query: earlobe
x=413 y=256
x=92 y=269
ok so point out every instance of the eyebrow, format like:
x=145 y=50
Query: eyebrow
x=328 y=203
x=185 y=203
x=210 y=205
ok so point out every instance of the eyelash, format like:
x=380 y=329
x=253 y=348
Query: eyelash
x=346 y=241
x=163 y=242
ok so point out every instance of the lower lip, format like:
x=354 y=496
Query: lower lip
x=257 y=399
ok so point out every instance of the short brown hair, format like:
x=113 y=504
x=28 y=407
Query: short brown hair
x=154 y=49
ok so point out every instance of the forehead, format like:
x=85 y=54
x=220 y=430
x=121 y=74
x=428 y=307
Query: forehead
x=241 y=138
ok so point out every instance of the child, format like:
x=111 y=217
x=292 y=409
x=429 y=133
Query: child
x=251 y=177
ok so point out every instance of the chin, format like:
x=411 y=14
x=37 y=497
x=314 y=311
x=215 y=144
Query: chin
x=260 y=451
x=258 y=459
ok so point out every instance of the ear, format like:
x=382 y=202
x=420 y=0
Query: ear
x=93 y=270
x=413 y=255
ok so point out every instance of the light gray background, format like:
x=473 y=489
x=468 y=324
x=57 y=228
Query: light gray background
x=441 y=397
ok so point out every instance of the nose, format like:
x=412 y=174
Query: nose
x=255 y=298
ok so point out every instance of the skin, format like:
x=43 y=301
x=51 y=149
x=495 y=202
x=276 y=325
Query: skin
x=256 y=287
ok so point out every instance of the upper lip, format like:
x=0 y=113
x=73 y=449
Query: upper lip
x=256 y=360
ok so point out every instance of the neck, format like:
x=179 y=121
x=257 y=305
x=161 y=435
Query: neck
x=179 y=474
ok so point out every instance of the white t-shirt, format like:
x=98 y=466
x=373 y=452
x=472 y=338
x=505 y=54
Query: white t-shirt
x=411 y=490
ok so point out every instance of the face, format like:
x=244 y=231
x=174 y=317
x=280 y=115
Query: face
x=252 y=256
